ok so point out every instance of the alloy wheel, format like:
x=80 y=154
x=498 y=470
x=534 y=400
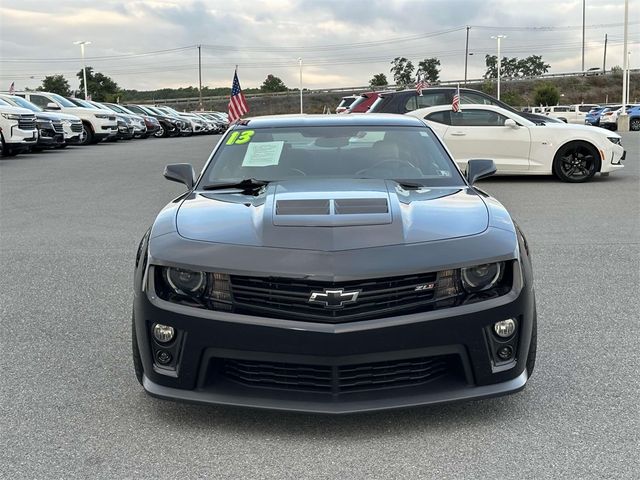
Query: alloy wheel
x=577 y=164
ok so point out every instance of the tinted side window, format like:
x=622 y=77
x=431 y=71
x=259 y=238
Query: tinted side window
x=582 y=108
x=477 y=118
x=411 y=104
x=39 y=100
x=474 y=98
x=431 y=99
x=439 y=117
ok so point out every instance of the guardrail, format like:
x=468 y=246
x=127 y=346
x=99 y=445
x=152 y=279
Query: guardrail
x=367 y=88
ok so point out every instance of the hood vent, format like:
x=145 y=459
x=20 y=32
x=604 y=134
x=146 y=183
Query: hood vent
x=353 y=206
x=337 y=212
x=302 y=207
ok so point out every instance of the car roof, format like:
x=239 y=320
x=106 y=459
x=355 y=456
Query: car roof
x=297 y=120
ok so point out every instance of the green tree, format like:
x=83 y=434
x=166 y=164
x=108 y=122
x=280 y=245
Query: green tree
x=100 y=87
x=273 y=84
x=55 y=84
x=379 y=80
x=532 y=66
x=513 y=98
x=402 y=70
x=428 y=69
x=546 y=94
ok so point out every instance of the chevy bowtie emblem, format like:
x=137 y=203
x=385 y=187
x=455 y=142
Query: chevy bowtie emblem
x=334 y=298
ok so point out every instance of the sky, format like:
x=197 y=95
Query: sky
x=151 y=44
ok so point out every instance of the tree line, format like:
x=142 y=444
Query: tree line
x=404 y=73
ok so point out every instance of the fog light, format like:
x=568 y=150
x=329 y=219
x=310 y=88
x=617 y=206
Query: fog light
x=505 y=353
x=163 y=333
x=163 y=357
x=505 y=328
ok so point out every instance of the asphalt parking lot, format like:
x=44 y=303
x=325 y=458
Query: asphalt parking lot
x=70 y=222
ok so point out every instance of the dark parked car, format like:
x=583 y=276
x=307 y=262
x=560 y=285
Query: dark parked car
x=408 y=100
x=169 y=126
x=332 y=264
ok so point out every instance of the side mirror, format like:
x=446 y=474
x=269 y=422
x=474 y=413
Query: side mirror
x=510 y=122
x=479 y=168
x=182 y=173
x=52 y=106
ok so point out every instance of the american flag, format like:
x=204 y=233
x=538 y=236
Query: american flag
x=421 y=84
x=12 y=88
x=455 y=105
x=237 y=104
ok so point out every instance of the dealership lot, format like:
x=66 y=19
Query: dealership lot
x=70 y=222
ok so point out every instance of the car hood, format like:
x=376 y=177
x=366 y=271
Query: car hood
x=585 y=129
x=332 y=215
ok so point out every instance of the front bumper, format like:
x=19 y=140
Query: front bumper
x=17 y=137
x=459 y=337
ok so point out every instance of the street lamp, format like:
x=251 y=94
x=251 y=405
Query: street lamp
x=499 y=37
x=82 y=43
x=300 y=63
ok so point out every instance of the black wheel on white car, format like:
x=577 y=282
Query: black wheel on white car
x=86 y=137
x=576 y=162
x=634 y=124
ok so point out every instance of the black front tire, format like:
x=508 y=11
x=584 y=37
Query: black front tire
x=87 y=134
x=576 y=162
x=135 y=350
x=634 y=124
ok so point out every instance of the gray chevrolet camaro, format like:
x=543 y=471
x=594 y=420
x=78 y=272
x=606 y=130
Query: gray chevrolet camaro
x=332 y=264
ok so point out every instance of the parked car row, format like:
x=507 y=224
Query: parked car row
x=33 y=121
x=404 y=101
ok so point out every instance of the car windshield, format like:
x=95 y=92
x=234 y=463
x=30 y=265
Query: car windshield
x=385 y=152
x=61 y=100
x=83 y=103
x=21 y=102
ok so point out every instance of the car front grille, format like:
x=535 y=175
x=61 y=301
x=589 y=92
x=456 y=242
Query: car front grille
x=292 y=298
x=76 y=127
x=57 y=126
x=339 y=379
x=27 y=122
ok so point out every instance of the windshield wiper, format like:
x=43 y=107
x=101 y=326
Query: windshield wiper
x=246 y=185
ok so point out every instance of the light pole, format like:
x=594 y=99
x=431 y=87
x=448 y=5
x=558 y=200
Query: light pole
x=300 y=63
x=466 y=55
x=82 y=43
x=623 y=119
x=499 y=37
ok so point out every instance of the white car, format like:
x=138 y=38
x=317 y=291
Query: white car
x=97 y=125
x=573 y=153
x=570 y=113
x=609 y=119
x=17 y=130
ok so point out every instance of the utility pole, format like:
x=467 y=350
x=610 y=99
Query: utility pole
x=499 y=37
x=623 y=119
x=200 y=76
x=604 y=59
x=466 y=56
x=583 y=19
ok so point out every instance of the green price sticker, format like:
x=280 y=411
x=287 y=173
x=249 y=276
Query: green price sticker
x=240 y=138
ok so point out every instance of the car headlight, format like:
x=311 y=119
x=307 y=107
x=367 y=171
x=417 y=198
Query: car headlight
x=616 y=140
x=481 y=277
x=101 y=115
x=11 y=116
x=179 y=285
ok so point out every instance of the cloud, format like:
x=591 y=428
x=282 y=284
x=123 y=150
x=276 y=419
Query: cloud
x=342 y=43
